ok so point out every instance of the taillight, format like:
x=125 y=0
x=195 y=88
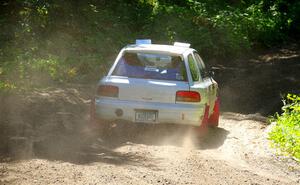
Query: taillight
x=188 y=96
x=108 y=90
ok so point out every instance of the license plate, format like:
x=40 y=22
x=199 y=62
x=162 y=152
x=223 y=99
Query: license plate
x=146 y=116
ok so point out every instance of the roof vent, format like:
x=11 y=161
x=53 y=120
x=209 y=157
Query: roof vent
x=142 y=41
x=182 y=44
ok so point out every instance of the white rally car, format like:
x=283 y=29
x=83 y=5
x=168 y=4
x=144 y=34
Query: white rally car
x=157 y=84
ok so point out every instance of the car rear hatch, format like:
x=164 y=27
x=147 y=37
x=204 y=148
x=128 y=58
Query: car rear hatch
x=149 y=77
x=147 y=90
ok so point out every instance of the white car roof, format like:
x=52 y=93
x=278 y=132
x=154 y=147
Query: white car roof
x=158 y=48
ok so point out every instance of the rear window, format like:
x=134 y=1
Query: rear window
x=151 y=66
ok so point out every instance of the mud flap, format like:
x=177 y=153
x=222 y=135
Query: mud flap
x=214 y=118
x=92 y=121
x=95 y=124
x=204 y=122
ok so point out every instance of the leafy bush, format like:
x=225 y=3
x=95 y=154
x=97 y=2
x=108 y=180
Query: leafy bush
x=75 y=40
x=286 y=133
x=4 y=86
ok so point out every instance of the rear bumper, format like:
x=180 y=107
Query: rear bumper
x=185 y=114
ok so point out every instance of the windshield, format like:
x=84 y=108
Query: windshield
x=151 y=66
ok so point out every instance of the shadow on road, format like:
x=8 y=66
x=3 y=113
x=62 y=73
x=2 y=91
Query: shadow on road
x=83 y=150
x=159 y=135
x=92 y=146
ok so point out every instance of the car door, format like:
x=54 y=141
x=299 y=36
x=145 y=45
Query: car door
x=207 y=79
x=197 y=83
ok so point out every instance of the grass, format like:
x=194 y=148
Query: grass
x=286 y=133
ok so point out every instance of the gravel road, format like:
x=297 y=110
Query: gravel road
x=235 y=153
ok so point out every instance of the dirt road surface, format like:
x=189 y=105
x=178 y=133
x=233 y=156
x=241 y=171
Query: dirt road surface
x=235 y=153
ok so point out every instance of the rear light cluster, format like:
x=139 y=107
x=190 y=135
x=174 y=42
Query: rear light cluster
x=188 y=96
x=108 y=90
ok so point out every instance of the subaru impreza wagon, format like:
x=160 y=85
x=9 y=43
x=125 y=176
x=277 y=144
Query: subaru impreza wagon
x=157 y=84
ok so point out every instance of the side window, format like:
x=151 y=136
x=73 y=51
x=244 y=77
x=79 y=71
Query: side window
x=193 y=68
x=201 y=65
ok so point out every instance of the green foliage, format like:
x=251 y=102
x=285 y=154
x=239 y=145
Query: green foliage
x=75 y=40
x=6 y=86
x=286 y=134
x=55 y=69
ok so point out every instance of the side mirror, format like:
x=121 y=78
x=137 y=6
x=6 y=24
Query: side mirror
x=210 y=73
